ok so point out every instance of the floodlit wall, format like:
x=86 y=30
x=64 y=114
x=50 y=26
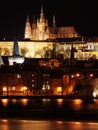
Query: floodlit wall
x=32 y=49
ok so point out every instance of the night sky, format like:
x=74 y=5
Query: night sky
x=83 y=14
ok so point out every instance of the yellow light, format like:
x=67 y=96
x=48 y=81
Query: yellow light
x=13 y=88
x=4 y=88
x=94 y=94
x=59 y=90
x=77 y=101
x=24 y=101
x=24 y=88
x=59 y=101
x=91 y=75
x=77 y=74
x=4 y=102
x=72 y=76
x=78 y=104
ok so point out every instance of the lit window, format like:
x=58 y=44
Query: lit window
x=91 y=75
x=59 y=90
x=72 y=76
x=32 y=75
x=13 y=88
x=18 y=76
x=4 y=88
x=77 y=74
x=32 y=85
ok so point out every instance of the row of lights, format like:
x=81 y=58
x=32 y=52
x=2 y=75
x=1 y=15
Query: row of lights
x=78 y=75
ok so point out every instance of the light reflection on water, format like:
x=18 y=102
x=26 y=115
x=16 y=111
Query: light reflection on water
x=77 y=103
x=59 y=101
x=24 y=102
x=4 y=102
x=46 y=125
x=49 y=108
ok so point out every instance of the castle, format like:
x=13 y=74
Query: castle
x=40 y=30
x=41 y=40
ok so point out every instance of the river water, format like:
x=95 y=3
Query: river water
x=48 y=114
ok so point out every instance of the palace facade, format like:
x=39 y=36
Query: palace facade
x=44 y=49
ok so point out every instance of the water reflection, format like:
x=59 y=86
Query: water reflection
x=60 y=101
x=14 y=101
x=77 y=103
x=74 y=109
x=46 y=125
x=46 y=101
x=4 y=102
x=24 y=102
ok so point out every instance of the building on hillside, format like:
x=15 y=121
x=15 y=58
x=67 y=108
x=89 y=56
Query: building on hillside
x=40 y=30
x=83 y=50
x=43 y=41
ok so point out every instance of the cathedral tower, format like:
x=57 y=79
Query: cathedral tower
x=27 y=34
x=42 y=32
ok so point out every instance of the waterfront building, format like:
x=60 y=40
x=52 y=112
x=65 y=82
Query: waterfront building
x=47 y=55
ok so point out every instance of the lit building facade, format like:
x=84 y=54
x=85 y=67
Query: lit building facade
x=40 y=30
x=43 y=49
x=41 y=41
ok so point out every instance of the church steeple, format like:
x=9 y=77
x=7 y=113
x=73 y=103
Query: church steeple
x=54 y=23
x=42 y=15
x=27 y=34
x=15 y=48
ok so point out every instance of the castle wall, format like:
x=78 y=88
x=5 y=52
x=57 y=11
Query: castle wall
x=38 y=49
x=28 y=49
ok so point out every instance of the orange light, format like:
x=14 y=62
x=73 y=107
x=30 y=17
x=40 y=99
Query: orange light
x=24 y=101
x=59 y=90
x=77 y=74
x=91 y=75
x=4 y=88
x=23 y=88
x=72 y=76
x=4 y=102
x=59 y=101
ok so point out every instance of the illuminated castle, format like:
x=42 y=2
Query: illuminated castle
x=40 y=40
x=40 y=29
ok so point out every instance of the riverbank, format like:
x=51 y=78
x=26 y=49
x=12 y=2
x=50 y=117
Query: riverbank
x=48 y=96
x=35 y=96
x=36 y=108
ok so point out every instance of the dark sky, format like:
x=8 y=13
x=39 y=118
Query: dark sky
x=83 y=14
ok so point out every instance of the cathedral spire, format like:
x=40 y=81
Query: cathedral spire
x=27 y=34
x=54 y=23
x=42 y=15
x=27 y=18
x=15 y=48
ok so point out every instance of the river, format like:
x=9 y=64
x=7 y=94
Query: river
x=48 y=114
